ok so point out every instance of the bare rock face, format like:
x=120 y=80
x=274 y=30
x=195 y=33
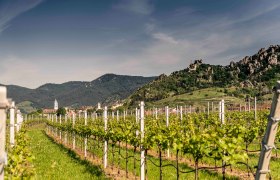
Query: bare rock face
x=261 y=51
x=238 y=70
x=272 y=60
x=245 y=60
x=232 y=64
x=246 y=83
x=161 y=77
x=193 y=66
x=265 y=54
x=251 y=68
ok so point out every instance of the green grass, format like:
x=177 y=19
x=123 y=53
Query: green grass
x=207 y=94
x=26 y=106
x=53 y=161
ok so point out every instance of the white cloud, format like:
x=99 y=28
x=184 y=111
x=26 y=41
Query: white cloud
x=9 y=9
x=165 y=38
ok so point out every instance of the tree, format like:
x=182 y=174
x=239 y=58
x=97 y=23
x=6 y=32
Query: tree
x=39 y=111
x=61 y=111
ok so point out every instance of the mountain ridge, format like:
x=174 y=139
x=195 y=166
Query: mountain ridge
x=251 y=76
x=107 y=88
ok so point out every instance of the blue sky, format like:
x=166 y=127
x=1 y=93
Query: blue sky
x=63 y=40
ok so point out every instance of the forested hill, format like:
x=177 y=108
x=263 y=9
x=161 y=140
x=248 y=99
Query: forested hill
x=105 y=89
x=253 y=75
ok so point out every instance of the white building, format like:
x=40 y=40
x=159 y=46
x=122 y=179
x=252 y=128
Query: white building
x=55 y=105
x=98 y=106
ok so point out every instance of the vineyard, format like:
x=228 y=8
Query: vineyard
x=157 y=143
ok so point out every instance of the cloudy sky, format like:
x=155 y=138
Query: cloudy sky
x=63 y=40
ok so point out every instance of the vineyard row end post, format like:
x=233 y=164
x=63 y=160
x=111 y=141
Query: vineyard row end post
x=142 y=125
x=269 y=137
x=3 y=116
x=105 y=142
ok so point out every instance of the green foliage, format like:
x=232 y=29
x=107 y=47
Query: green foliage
x=197 y=135
x=20 y=159
x=99 y=111
x=61 y=111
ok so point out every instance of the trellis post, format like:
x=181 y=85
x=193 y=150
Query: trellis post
x=12 y=124
x=85 y=137
x=156 y=113
x=269 y=137
x=181 y=114
x=142 y=126
x=222 y=111
x=105 y=142
x=60 y=133
x=18 y=120
x=74 y=135
x=3 y=106
x=65 y=133
x=167 y=124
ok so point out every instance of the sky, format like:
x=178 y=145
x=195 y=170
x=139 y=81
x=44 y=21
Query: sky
x=55 y=41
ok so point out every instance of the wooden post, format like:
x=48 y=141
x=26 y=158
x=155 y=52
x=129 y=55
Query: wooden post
x=156 y=113
x=222 y=111
x=65 y=133
x=105 y=142
x=85 y=114
x=167 y=124
x=85 y=153
x=56 y=128
x=12 y=124
x=52 y=128
x=181 y=114
x=60 y=132
x=18 y=121
x=74 y=135
x=118 y=115
x=124 y=115
x=222 y=119
x=142 y=156
x=269 y=137
x=3 y=106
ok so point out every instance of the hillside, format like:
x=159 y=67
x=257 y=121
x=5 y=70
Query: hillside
x=105 y=89
x=251 y=76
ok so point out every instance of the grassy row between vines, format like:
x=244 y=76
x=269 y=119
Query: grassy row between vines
x=169 y=172
x=53 y=161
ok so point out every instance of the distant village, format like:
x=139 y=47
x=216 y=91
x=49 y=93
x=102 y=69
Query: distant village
x=73 y=111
